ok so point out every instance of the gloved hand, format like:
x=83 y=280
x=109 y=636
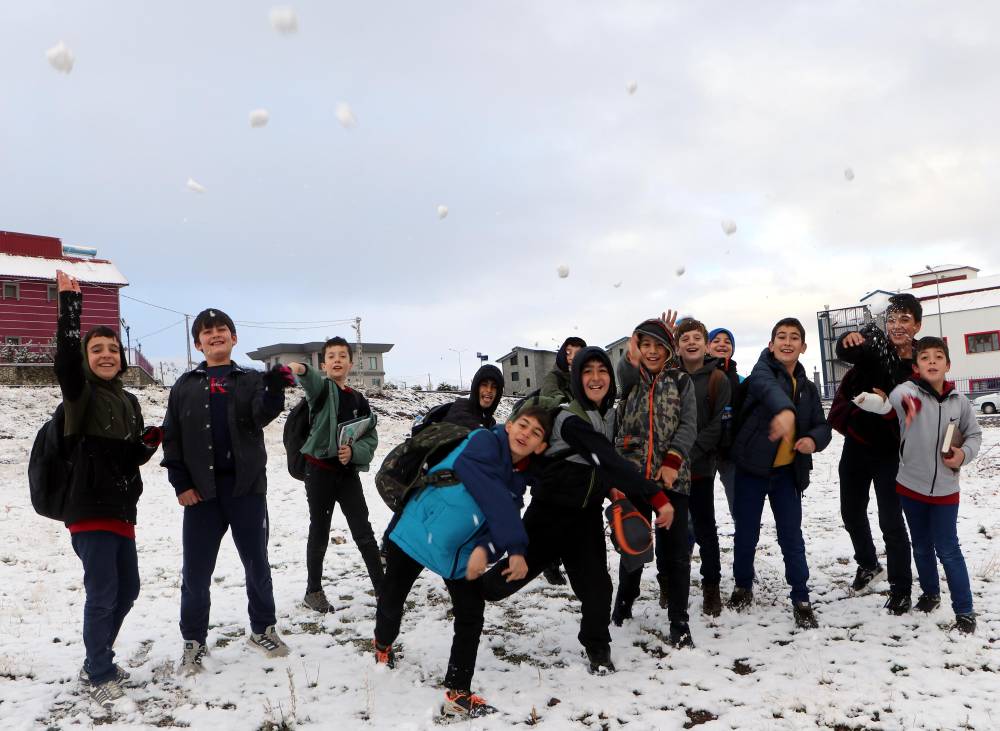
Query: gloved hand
x=278 y=378
x=152 y=437
x=873 y=402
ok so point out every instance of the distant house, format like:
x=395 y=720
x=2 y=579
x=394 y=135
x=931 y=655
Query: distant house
x=524 y=369
x=368 y=373
x=617 y=350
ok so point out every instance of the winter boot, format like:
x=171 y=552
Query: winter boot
x=622 y=610
x=898 y=603
x=600 y=660
x=711 y=600
x=553 y=575
x=680 y=635
x=740 y=600
x=661 y=579
x=805 y=617
x=317 y=601
x=928 y=602
x=965 y=623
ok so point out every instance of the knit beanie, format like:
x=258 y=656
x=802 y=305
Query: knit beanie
x=716 y=331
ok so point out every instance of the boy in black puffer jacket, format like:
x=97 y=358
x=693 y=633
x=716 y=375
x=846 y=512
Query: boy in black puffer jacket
x=782 y=424
x=722 y=345
x=107 y=443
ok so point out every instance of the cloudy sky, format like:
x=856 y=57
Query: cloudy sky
x=515 y=115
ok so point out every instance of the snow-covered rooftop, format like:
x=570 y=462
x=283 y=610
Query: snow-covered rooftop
x=36 y=267
x=962 y=302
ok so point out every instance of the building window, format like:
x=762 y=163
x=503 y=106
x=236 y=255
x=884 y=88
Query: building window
x=527 y=383
x=985 y=342
x=53 y=292
x=11 y=291
x=376 y=382
x=515 y=376
x=525 y=361
x=12 y=340
x=373 y=363
x=984 y=385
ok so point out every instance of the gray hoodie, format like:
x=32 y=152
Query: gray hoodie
x=921 y=468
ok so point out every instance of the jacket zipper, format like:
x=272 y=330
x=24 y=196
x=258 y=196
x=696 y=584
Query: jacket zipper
x=649 y=452
x=934 y=479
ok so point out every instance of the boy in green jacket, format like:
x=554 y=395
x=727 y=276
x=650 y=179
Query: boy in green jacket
x=332 y=468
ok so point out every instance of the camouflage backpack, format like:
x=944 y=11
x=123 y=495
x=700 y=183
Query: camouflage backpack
x=405 y=467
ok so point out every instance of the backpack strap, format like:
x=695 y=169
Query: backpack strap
x=713 y=389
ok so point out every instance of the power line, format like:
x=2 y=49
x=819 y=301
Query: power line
x=157 y=332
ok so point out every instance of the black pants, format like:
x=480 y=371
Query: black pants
x=325 y=488
x=577 y=537
x=466 y=599
x=673 y=561
x=859 y=468
x=702 y=506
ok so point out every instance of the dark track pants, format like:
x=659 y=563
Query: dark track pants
x=401 y=572
x=706 y=532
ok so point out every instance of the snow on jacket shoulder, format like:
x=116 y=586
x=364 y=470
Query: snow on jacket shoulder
x=921 y=467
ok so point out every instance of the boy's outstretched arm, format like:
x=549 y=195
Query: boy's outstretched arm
x=69 y=356
x=269 y=400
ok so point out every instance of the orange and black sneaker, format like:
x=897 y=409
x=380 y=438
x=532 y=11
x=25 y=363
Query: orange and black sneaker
x=464 y=704
x=384 y=654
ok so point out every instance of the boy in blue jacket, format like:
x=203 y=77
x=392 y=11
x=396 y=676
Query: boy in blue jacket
x=782 y=424
x=466 y=517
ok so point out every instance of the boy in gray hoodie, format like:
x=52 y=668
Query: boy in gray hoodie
x=928 y=408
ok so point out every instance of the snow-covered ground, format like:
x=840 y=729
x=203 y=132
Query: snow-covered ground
x=861 y=670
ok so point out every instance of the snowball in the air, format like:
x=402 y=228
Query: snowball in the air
x=878 y=304
x=729 y=226
x=60 y=57
x=631 y=87
x=283 y=19
x=617 y=285
x=680 y=271
x=442 y=211
x=563 y=271
x=848 y=174
x=259 y=118
x=194 y=186
x=345 y=115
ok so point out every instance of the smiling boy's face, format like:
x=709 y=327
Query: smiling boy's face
x=337 y=363
x=487 y=393
x=721 y=346
x=932 y=365
x=787 y=346
x=653 y=353
x=901 y=327
x=216 y=343
x=526 y=436
x=596 y=381
x=692 y=347
x=104 y=357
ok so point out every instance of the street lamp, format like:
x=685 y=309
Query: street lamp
x=458 y=354
x=937 y=286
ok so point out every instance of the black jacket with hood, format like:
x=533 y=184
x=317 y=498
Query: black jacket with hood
x=705 y=450
x=466 y=411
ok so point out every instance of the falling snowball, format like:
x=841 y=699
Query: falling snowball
x=848 y=174
x=878 y=304
x=728 y=226
x=284 y=20
x=617 y=285
x=680 y=271
x=631 y=87
x=442 y=211
x=194 y=186
x=345 y=115
x=60 y=57
x=563 y=271
x=259 y=118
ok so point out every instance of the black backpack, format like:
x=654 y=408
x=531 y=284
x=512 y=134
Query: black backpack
x=296 y=432
x=49 y=468
x=435 y=416
x=405 y=467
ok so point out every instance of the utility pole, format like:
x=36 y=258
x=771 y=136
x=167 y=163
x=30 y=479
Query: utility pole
x=361 y=355
x=429 y=386
x=458 y=353
x=161 y=373
x=187 y=339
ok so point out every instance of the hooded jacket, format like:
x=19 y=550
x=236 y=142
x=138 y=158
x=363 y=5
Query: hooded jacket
x=556 y=386
x=704 y=451
x=921 y=468
x=466 y=411
x=581 y=464
x=103 y=426
x=769 y=392
x=340 y=403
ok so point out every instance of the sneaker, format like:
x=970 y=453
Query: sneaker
x=111 y=698
x=317 y=601
x=680 y=635
x=268 y=643
x=866 y=577
x=465 y=704
x=121 y=674
x=928 y=602
x=965 y=623
x=664 y=597
x=553 y=575
x=711 y=600
x=805 y=617
x=384 y=654
x=600 y=660
x=191 y=660
x=898 y=604
x=740 y=600
x=622 y=611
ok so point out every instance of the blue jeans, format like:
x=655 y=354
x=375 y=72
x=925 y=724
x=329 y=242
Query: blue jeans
x=934 y=529
x=111 y=581
x=786 y=505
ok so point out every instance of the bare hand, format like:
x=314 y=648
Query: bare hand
x=296 y=368
x=517 y=569
x=633 y=350
x=65 y=282
x=955 y=458
x=666 y=475
x=805 y=445
x=477 y=563
x=879 y=392
x=664 y=516
x=782 y=425
x=853 y=340
x=669 y=318
x=189 y=497
x=344 y=454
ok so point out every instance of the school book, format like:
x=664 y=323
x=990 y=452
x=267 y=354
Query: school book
x=351 y=431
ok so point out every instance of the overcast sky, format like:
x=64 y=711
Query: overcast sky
x=516 y=116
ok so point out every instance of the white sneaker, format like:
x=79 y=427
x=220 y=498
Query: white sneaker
x=121 y=675
x=268 y=643
x=110 y=697
x=191 y=660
